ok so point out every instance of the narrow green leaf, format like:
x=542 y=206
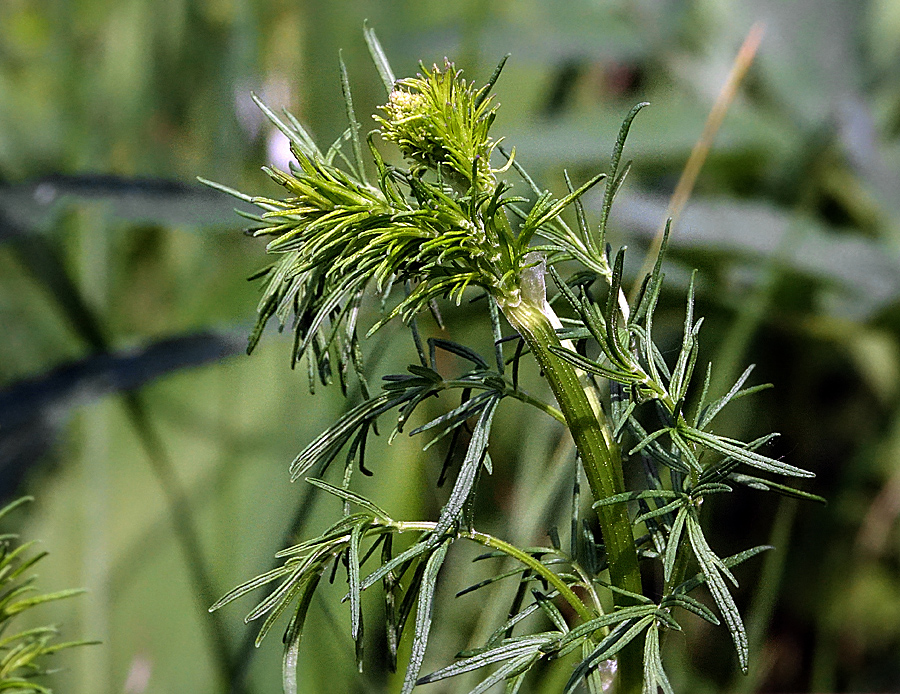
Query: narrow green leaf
x=691 y=605
x=21 y=605
x=652 y=285
x=490 y=581
x=620 y=637
x=575 y=545
x=425 y=372
x=717 y=406
x=747 y=457
x=699 y=543
x=584 y=230
x=278 y=595
x=251 y=585
x=549 y=212
x=687 y=452
x=710 y=488
x=722 y=469
x=457 y=415
x=351 y=117
x=769 y=486
x=510 y=669
x=485 y=91
x=552 y=612
x=656 y=451
x=575 y=636
x=661 y=511
x=13 y=505
x=299 y=138
x=326 y=445
x=497 y=332
x=511 y=650
x=379 y=58
x=292 y=637
x=423 y=616
x=654 y=676
x=591 y=366
x=634 y=496
x=228 y=191
x=711 y=567
x=610 y=191
x=701 y=402
x=459 y=350
x=352 y=497
x=353 y=582
x=514 y=684
x=278 y=610
x=598 y=680
x=732 y=561
x=465 y=480
x=680 y=376
x=289 y=665
x=648 y=439
x=402 y=558
x=507 y=627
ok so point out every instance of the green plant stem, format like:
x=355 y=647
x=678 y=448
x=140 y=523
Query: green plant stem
x=534 y=565
x=519 y=395
x=511 y=551
x=601 y=459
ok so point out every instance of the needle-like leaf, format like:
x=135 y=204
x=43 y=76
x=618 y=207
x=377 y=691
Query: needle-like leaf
x=423 y=616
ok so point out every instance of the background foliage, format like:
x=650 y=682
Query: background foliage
x=117 y=273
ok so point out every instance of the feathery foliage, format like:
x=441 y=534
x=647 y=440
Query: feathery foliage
x=445 y=224
x=24 y=654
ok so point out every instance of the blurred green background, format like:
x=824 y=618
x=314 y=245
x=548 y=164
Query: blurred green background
x=127 y=410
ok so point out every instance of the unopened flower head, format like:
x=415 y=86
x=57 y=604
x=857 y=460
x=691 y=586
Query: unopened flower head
x=438 y=120
x=403 y=105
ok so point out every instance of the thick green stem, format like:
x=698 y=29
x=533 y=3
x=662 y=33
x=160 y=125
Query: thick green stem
x=602 y=463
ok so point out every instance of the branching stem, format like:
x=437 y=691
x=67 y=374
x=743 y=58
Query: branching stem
x=515 y=553
x=602 y=463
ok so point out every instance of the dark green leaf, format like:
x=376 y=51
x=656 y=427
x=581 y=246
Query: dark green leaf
x=614 y=179
x=486 y=89
x=459 y=350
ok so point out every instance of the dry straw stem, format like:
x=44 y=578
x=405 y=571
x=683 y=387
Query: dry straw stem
x=685 y=186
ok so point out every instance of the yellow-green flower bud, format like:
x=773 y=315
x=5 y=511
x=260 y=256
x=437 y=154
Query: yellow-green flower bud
x=439 y=121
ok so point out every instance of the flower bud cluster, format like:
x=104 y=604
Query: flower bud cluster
x=439 y=121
